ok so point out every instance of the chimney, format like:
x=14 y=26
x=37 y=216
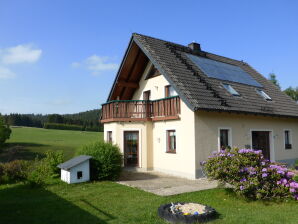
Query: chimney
x=195 y=47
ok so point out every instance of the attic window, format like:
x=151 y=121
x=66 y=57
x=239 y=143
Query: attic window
x=230 y=89
x=264 y=95
x=153 y=72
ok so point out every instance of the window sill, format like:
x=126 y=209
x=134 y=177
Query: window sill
x=171 y=152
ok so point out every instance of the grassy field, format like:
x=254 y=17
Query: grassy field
x=27 y=143
x=109 y=202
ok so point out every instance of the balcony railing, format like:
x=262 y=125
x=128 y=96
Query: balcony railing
x=141 y=110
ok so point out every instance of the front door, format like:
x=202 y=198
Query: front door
x=261 y=141
x=131 y=148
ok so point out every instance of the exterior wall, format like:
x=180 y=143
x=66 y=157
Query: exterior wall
x=72 y=173
x=156 y=86
x=152 y=135
x=65 y=176
x=207 y=126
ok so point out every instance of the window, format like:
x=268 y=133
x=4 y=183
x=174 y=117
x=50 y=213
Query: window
x=171 y=141
x=109 y=136
x=230 y=89
x=169 y=91
x=153 y=72
x=224 y=138
x=146 y=95
x=80 y=174
x=264 y=95
x=288 y=144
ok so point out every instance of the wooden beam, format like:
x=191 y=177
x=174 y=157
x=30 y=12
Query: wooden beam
x=132 y=85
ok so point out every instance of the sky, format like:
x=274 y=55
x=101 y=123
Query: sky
x=61 y=56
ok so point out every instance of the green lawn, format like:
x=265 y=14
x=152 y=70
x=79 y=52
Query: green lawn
x=107 y=202
x=27 y=143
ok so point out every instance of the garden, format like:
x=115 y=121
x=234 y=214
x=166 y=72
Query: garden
x=260 y=192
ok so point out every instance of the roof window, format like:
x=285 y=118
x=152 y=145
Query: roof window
x=264 y=95
x=230 y=89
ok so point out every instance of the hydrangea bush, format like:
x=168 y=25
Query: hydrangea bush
x=251 y=175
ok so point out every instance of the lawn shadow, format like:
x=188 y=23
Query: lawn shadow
x=19 y=151
x=109 y=216
x=22 y=204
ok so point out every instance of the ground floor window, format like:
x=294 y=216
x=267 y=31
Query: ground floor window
x=288 y=144
x=80 y=174
x=171 y=141
x=109 y=136
x=224 y=138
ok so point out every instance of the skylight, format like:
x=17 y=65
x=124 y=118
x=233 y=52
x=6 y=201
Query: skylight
x=230 y=89
x=223 y=71
x=264 y=95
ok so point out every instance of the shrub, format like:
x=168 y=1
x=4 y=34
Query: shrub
x=106 y=160
x=42 y=171
x=63 y=126
x=251 y=175
x=14 y=171
x=5 y=131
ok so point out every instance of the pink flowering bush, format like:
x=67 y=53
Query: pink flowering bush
x=251 y=175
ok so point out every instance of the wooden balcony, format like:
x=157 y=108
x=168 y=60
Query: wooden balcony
x=141 y=110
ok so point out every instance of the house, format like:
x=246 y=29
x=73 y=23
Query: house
x=171 y=106
x=76 y=170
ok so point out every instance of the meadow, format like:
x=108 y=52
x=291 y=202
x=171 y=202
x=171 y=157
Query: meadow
x=28 y=143
x=108 y=202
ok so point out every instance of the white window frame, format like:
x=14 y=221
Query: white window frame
x=271 y=142
x=230 y=138
x=165 y=145
x=263 y=94
x=230 y=89
x=290 y=138
x=106 y=135
x=140 y=143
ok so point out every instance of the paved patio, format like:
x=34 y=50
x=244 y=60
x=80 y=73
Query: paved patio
x=164 y=185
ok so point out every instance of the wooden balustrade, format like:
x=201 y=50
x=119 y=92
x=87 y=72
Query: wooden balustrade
x=141 y=110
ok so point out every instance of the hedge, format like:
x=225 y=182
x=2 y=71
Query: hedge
x=63 y=126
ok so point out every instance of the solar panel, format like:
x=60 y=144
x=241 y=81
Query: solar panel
x=223 y=71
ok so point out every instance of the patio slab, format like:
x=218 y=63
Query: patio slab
x=162 y=184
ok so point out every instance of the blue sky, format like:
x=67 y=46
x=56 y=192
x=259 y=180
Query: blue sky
x=61 y=56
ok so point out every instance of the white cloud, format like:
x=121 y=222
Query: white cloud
x=6 y=73
x=97 y=64
x=20 y=54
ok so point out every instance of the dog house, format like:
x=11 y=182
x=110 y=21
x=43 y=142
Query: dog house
x=76 y=170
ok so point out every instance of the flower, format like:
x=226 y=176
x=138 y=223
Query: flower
x=264 y=175
x=284 y=181
x=202 y=163
x=292 y=190
x=290 y=174
x=242 y=188
x=243 y=180
x=264 y=170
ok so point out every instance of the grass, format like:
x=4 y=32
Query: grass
x=27 y=143
x=108 y=202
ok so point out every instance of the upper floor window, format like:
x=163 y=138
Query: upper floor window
x=153 y=72
x=146 y=95
x=109 y=136
x=230 y=89
x=169 y=91
x=171 y=141
x=264 y=95
x=288 y=143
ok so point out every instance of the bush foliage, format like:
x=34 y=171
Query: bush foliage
x=251 y=175
x=5 y=131
x=35 y=173
x=106 y=160
x=63 y=126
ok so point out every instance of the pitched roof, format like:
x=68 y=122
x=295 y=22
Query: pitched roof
x=73 y=162
x=201 y=92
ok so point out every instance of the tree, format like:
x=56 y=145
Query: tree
x=4 y=131
x=293 y=93
x=272 y=78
